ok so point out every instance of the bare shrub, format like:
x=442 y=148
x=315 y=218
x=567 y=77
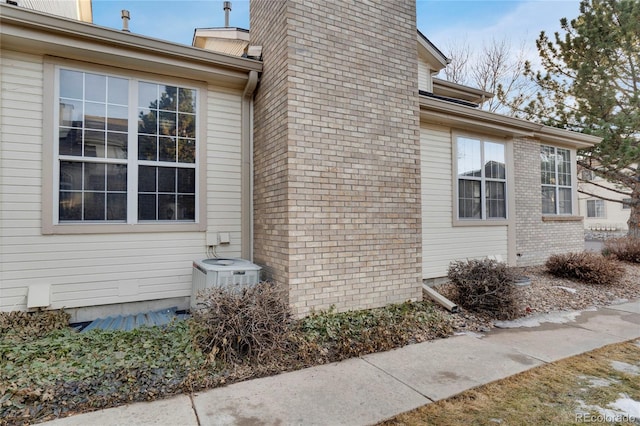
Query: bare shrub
x=31 y=325
x=253 y=324
x=485 y=286
x=590 y=268
x=627 y=249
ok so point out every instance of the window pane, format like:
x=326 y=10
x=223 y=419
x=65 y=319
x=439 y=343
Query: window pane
x=70 y=176
x=626 y=203
x=548 y=200
x=469 y=157
x=187 y=100
x=564 y=167
x=148 y=95
x=166 y=207
x=147 y=207
x=94 y=177
x=148 y=122
x=564 y=198
x=116 y=177
x=95 y=115
x=187 y=125
x=469 y=204
x=547 y=165
x=71 y=113
x=117 y=118
x=147 y=149
x=168 y=98
x=167 y=123
x=71 y=84
x=94 y=206
x=118 y=91
x=496 y=200
x=186 y=151
x=116 y=145
x=494 y=163
x=147 y=179
x=166 y=179
x=70 y=207
x=70 y=141
x=167 y=150
x=94 y=143
x=95 y=88
x=187 y=181
x=116 y=206
x=186 y=207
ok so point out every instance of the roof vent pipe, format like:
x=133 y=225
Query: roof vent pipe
x=227 y=8
x=125 y=20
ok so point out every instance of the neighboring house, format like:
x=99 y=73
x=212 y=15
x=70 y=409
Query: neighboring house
x=124 y=158
x=603 y=218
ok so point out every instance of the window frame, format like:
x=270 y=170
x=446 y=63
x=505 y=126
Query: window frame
x=462 y=221
x=596 y=209
x=556 y=186
x=51 y=163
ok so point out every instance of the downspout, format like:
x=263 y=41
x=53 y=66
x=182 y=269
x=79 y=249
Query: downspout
x=246 y=186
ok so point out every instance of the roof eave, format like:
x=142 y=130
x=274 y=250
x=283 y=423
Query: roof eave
x=436 y=57
x=12 y=17
x=448 y=113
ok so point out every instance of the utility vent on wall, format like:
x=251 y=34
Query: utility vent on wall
x=227 y=273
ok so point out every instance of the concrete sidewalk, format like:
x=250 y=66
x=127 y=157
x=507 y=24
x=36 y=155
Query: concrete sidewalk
x=375 y=387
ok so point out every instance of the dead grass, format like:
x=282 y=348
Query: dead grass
x=552 y=394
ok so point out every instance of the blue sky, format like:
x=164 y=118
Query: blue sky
x=444 y=22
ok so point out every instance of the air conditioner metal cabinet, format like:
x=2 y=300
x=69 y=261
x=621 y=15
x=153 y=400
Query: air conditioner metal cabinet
x=228 y=273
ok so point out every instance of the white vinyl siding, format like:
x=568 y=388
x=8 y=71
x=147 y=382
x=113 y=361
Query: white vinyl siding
x=441 y=241
x=425 y=82
x=97 y=269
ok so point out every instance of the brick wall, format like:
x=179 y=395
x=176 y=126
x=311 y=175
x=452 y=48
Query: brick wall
x=337 y=173
x=537 y=239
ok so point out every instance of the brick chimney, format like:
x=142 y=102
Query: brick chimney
x=337 y=156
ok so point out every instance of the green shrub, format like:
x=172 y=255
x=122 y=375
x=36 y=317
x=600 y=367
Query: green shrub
x=253 y=324
x=485 y=286
x=588 y=267
x=626 y=248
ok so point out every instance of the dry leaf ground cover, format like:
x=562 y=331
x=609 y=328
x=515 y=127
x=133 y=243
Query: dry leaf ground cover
x=599 y=387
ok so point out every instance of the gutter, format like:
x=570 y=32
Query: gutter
x=246 y=185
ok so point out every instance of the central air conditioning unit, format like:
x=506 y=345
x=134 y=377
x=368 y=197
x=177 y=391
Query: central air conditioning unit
x=230 y=274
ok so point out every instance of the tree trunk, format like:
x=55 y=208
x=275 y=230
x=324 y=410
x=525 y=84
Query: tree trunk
x=634 y=215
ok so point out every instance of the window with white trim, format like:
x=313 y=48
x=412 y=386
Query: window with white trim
x=557 y=189
x=595 y=208
x=482 y=179
x=125 y=149
x=626 y=203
